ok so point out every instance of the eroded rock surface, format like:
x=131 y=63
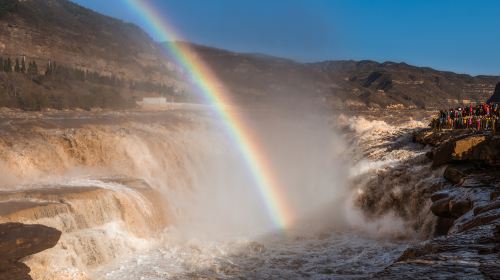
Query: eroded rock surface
x=468 y=210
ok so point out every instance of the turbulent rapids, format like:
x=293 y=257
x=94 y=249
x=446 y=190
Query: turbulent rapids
x=156 y=195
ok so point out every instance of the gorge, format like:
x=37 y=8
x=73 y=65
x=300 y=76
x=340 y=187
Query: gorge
x=350 y=182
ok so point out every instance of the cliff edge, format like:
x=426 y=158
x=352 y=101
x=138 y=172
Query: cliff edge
x=467 y=206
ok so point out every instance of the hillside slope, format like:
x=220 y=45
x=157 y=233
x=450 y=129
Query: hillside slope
x=345 y=84
x=90 y=56
x=55 y=53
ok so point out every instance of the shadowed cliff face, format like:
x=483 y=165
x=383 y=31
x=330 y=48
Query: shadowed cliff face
x=496 y=96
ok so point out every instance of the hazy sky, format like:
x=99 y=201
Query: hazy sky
x=457 y=35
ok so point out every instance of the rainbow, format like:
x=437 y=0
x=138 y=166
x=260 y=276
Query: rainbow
x=267 y=184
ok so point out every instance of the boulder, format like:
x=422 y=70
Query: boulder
x=459 y=207
x=439 y=195
x=441 y=208
x=443 y=225
x=18 y=241
x=454 y=175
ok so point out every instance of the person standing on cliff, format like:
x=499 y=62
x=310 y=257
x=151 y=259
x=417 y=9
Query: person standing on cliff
x=494 y=125
x=460 y=120
x=442 y=118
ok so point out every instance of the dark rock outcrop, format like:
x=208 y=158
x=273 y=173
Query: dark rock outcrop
x=18 y=241
x=460 y=146
x=441 y=208
x=468 y=211
x=454 y=175
x=495 y=98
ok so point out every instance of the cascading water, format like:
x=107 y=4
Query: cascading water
x=167 y=195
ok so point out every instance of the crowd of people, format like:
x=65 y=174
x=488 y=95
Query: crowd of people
x=479 y=117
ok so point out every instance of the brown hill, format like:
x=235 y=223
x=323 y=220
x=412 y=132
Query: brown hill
x=55 y=53
x=345 y=84
x=95 y=60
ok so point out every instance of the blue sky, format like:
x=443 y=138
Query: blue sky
x=456 y=35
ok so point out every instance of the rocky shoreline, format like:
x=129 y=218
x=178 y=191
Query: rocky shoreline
x=467 y=205
x=18 y=241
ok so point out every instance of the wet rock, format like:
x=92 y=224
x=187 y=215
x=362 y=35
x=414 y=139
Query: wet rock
x=492 y=271
x=494 y=195
x=442 y=226
x=417 y=251
x=14 y=271
x=439 y=195
x=454 y=175
x=480 y=220
x=486 y=208
x=18 y=241
x=486 y=250
x=465 y=245
x=433 y=188
x=441 y=208
x=460 y=207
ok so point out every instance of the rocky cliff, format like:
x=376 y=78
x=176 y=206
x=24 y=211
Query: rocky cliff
x=467 y=206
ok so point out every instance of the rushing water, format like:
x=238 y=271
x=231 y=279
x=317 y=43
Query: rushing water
x=218 y=227
x=325 y=256
x=357 y=252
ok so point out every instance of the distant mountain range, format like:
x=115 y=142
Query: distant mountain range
x=85 y=59
x=346 y=84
